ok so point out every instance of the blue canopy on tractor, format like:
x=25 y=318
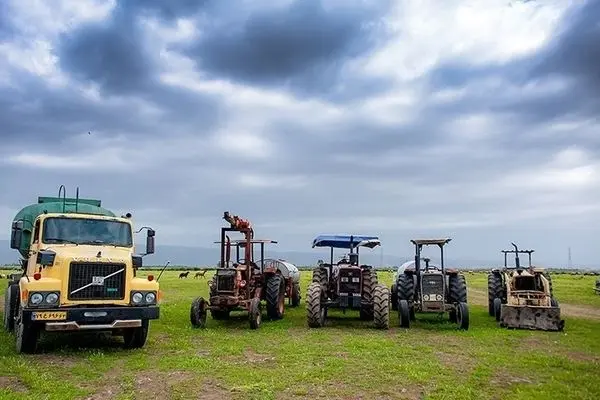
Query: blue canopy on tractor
x=346 y=241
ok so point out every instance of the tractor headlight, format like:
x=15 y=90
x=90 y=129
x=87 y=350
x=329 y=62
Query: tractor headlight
x=150 y=297
x=344 y=279
x=426 y=297
x=51 y=298
x=439 y=297
x=356 y=280
x=36 y=298
x=137 y=298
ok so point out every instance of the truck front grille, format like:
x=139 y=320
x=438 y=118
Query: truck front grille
x=96 y=281
x=433 y=284
x=350 y=280
x=225 y=283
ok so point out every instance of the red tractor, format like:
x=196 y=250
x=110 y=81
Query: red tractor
x=243 y=284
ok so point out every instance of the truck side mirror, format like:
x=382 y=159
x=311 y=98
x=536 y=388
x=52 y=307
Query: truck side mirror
x=16 y=235
x=150 y=241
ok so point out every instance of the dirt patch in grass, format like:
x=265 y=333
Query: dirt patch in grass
x=57 y=360
x=479 y=297
x=343 y=392
x=580 y=311
x=159 y=385
x=13 y=384
x=177 y=384
x=503 y=377
x=460 y=363
x=252 y=358
x=549 y=346
x=210 y=390
x=109 y=386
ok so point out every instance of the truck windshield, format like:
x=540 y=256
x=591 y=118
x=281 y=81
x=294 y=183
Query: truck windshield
x=86 y=231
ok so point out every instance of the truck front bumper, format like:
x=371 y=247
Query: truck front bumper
x=77 y=319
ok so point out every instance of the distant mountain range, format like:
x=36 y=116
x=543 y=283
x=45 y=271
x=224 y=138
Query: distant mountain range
x=203 y=257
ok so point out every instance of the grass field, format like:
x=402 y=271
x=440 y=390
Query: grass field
x=345 y=360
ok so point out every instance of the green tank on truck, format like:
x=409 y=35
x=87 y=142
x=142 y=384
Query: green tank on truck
x=78 y=273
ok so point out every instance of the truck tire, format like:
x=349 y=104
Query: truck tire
x=457 y=292
x=369 y=278
x=315 y=312
x=275 y=296
x=255 y=314
x=494 y=290
x=10 y=301
x=295 y=295
x=198 y=313
x=381 y=307
x=320 y=276
x=135 y=338
x=406 y=287
x=27 y=335
x=403 y=313
x=462 y=316
x=394 y=296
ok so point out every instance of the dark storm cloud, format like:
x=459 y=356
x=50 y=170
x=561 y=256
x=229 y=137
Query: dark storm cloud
x=165 y=9
x=36 y=110
x=110 y=53
x=575 y=52
x=303 y=47
x=564 y=74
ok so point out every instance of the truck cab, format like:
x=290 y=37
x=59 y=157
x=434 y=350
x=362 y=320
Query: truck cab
x=79 y=273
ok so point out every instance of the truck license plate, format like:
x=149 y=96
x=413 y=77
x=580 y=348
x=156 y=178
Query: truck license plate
x=49 y=315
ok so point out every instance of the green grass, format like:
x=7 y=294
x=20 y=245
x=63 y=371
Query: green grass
x=346 y=359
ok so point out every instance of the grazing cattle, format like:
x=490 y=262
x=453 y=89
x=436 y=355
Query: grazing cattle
x=200 y=274
x=184 y=274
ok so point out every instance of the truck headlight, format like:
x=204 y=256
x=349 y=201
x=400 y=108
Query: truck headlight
x=137 y=297
x=51 y=298
x=150 y=297
x=36 y=298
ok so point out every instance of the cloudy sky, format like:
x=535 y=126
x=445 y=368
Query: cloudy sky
x=471 y=119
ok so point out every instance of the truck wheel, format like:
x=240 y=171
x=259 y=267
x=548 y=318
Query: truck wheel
x=315 y=312
x=457 y=292
x=296 y=295
x=255 y=314
x=275 y=297
x=404 y=314
x=27 y=335
x=10 y=300
x=462 y=316
x=320 y=276
x=381 y=307
x=494 y=290
x=198 y=313
x=394 y=297
x=369 y=279
x=135 y=338
x=406 y=287
x=497 y=308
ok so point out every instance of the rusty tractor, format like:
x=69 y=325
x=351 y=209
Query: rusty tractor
x=432 y=289
x=346 y=284
x=241 y=285
x=289 y=271
x=522 y=297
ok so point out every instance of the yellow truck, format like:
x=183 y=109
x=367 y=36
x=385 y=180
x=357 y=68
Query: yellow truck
x=79 y=273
